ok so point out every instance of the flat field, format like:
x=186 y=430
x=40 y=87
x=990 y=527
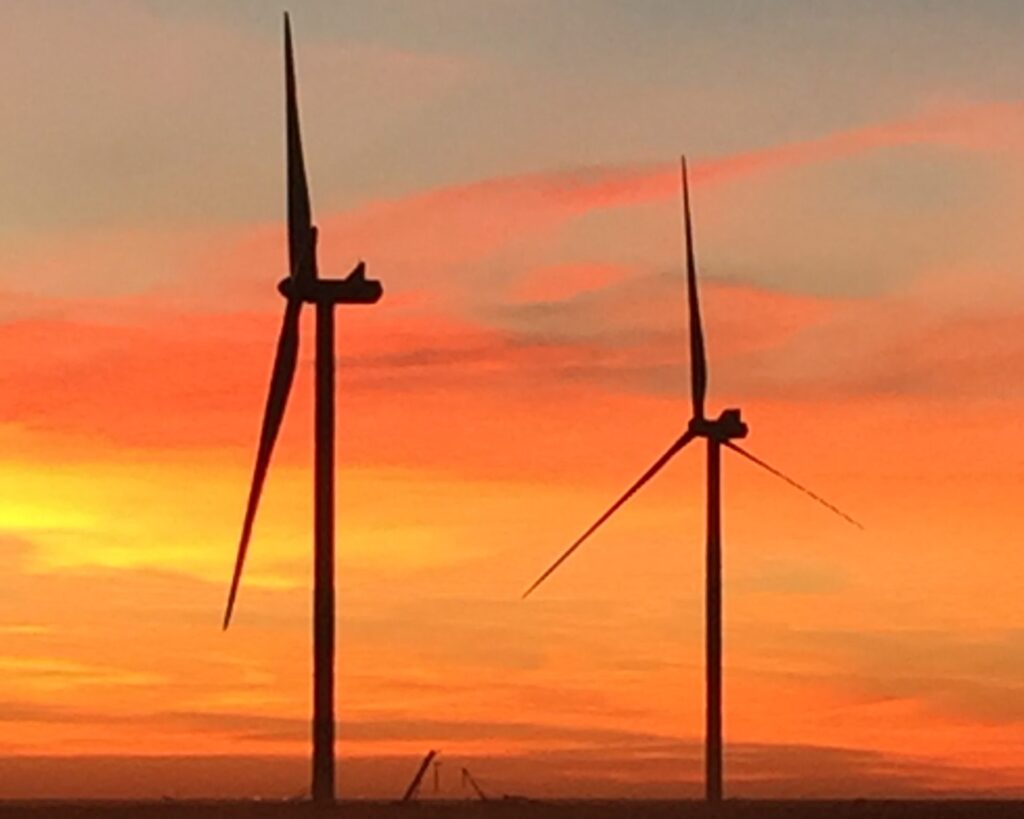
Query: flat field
x=514 y=809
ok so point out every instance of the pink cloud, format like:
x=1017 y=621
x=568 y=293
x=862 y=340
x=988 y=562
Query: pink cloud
x=438 y=242
x=439 y=238
x=562 y=281
x=536 y=198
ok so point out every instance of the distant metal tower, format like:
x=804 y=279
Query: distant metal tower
x=467 y=779
x=417 y=780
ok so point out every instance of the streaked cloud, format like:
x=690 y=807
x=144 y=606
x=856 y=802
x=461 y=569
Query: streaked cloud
x=516 y=189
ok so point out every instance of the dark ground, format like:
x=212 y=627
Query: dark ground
x=513 y=809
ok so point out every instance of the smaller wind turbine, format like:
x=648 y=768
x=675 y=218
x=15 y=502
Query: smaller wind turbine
x=721 y=431
x=303 y=285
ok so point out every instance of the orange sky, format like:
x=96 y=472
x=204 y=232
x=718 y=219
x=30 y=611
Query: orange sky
x=862 y=299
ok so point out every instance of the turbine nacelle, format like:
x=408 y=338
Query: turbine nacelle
x=726 y=427
x=355 y=288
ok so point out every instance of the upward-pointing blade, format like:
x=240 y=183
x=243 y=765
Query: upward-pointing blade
x=698 y=365
x=300 y=219
x=650 y=473
x=769 y=468
x=277 y=399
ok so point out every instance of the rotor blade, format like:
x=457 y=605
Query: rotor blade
x=650 y=473
x=300 y=219
x=698 y=364
x=277 y=399
x=793 y=483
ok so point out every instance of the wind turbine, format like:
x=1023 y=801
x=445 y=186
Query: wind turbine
x=304 y=285
x=719 y=432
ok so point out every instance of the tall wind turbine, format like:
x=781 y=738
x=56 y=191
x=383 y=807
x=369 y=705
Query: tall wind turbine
x=719 y=432
x=303 y=285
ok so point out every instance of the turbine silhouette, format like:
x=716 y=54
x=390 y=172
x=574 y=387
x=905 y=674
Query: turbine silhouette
x=719 y=432
x=303 y=285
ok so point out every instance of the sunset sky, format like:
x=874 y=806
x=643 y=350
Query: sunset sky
x=508 y=169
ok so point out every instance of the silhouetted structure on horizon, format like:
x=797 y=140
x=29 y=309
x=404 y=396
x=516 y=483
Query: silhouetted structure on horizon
x=721 y=431
x=417 y=779
x=304 y=285
x=467 y=779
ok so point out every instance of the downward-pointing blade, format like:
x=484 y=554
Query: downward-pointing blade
x=698 y=364
x=650 y=473
x=277 y=399
x=300 y=219
x=791 y=482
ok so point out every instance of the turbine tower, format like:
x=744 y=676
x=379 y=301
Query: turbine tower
x=303 y=285
x=719 y=432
